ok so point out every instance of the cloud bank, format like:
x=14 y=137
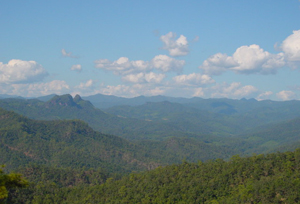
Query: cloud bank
x=19 y=71
x=163 y=74
x=123 y=66
x=245 y=60
x=254 y=60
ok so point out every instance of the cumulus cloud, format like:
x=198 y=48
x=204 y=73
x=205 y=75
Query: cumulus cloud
x=199 y=92
x=233 y=90
x=144 y=78
x=167 y=64
x=246 y=60
x=67 y=54
x=254 y=60
x=286 y=95
x=291 y=48
x=119 y=90
x=133 y=91
x=18 y=71
x=217 y=64
x=36 y=89
x=176 y=47
x=265 y=95
x=85 y=85
x=193 y=79
x=76 y=67
x=123 y=66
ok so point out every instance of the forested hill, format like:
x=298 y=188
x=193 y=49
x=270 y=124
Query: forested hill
x=67 y=143
x=272 y=178
x=72 y=143
x=67 y=107
x=180 y=118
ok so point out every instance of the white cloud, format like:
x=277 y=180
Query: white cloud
x=233 y=90
x=291 y=47
x=76 y=67
x=253 y=59
x=198 y=92
x=286 y=95
x=67 y=54
x=264 y=96
x=18 y=71
x=85 y=85
x=177 y=47
x=217 y=64
x=144 y=78
x=36 y=89
x=132 y=91
x=119 y=90
x=123 y=66
x=193 y=79
x=167 y=64
x=246 y=60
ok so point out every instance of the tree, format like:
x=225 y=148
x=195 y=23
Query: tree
x=9 y=181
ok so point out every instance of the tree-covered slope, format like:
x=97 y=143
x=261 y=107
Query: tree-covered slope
x=72 y=143
x=173 y=117
x=272 y=178
x=279 y=136
x=66 y=144
x=65 y=107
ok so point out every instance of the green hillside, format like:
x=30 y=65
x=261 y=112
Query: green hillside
x=174 y=118
x=280 y=136
x=272 y=178
x=67 y=143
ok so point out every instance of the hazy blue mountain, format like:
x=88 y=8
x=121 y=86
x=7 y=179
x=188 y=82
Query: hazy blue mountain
x=106 y=101
x=9 y=96
x=159 y=121
x=65 y=107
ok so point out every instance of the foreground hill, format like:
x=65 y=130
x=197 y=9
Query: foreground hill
x=272 y=178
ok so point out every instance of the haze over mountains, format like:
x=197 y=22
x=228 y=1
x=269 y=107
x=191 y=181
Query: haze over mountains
x=213 y=121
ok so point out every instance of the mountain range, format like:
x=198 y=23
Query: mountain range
x=67 y=146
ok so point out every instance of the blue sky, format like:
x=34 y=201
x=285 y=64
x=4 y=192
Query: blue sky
x=210 y=49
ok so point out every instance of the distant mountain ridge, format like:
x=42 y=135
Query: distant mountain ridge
x=67 y=107
x=220 y=122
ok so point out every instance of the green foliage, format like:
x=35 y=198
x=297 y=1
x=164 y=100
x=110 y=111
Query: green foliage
x=66 y=144
x=271 y=178
x=9 y=181
x=66 y=161
x=221 y=123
